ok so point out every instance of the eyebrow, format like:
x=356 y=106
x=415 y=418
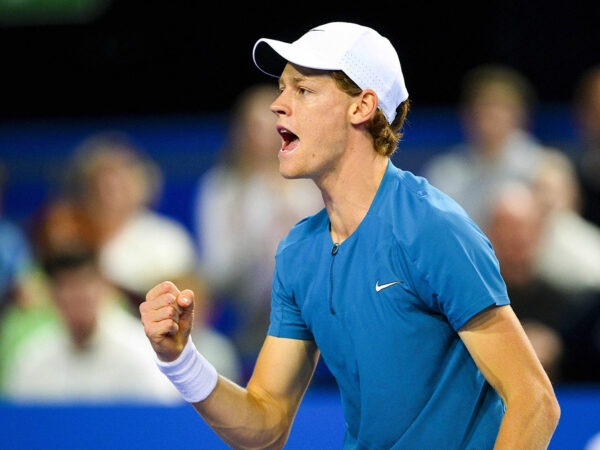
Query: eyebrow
x=295 y=78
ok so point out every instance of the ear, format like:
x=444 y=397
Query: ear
x=364 y=107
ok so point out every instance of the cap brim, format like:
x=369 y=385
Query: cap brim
x=271 y=56
x=267 y=59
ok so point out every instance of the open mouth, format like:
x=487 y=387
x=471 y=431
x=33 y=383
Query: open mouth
x=290 y=140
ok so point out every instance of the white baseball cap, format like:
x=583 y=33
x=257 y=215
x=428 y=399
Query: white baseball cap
x=365 y=56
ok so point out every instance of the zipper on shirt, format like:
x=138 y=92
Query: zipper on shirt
x=334 y=251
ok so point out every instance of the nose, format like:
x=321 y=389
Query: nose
x=279 y=107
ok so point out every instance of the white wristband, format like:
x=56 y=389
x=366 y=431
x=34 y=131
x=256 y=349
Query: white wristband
x=191 y=373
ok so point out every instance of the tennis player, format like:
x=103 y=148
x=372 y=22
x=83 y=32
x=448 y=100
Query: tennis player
x=391 y=283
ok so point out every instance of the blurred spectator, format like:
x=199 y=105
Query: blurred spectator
x=17 y=274
x=16 y=260
x=569 y=255
x=110 y=190
x=113 y=186
x=95 y=352
x=243 y=207
x=515 y=229
x=495 y=113
x=586 y=106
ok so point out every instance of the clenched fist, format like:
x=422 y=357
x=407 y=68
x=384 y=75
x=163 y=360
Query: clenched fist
x=167 y=315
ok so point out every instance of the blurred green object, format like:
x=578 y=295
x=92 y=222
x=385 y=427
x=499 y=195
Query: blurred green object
x=49 y=12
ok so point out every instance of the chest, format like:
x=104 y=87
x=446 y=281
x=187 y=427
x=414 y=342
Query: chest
x=358 y=296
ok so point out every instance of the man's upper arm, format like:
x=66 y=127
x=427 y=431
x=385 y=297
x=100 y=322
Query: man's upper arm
x=502 y=351
x=284 y=369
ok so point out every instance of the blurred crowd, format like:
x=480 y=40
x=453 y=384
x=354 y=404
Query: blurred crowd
x=538 y=205
x=72 y=280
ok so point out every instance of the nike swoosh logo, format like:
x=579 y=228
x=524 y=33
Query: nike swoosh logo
x=379 y=287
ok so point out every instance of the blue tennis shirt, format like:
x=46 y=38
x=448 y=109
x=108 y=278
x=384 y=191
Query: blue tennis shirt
x=384 y=308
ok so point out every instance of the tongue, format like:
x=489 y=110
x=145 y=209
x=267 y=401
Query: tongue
x=290 y=145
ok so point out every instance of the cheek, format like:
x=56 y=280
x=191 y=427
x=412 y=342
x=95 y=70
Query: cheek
x=327 y=129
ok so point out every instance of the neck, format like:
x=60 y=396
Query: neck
x=349 y=195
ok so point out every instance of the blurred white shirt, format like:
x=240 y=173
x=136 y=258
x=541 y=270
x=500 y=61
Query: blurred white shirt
x=116 y=366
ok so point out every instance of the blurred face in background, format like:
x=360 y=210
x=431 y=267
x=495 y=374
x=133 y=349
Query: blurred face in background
x=79 y=293
x=253 y=134
x=514 y=229
x=555 y=183
x=493 y=113
x=115 y=183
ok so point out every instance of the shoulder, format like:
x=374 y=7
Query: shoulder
x=427 y=224
x=146 y=225
x=36 y=351
x=305 y=229
x=13 y=238
x=408 y=199
x=216 y=178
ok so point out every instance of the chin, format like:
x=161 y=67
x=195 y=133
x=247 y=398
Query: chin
x=290 y=174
